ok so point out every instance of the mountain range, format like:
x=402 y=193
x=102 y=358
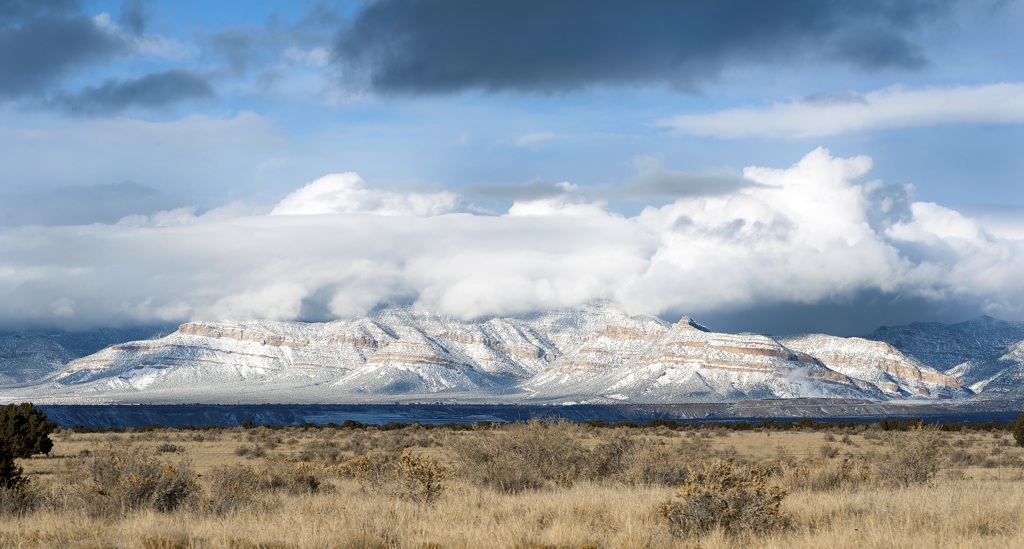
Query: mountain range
x=594 y=354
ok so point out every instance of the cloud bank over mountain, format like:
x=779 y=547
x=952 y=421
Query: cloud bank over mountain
x=816 y=233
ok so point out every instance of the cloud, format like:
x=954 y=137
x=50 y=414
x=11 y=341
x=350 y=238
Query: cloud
x=47 y=47
x=154 y=90
x=346 y=193
x=39 y=49
x=133 y=16
x=813 y=236
x=847 y=112
x=80 y=205
x=653 y=180
x=447 y=46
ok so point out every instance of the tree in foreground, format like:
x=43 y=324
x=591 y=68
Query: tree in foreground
x=1018 y=429
x=24 y=432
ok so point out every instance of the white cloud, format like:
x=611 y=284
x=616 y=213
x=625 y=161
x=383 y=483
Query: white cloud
x=889 y=108
x=346 y=193
x=810 y=233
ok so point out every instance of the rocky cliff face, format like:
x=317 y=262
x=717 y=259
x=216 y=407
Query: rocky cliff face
x=880 y=364
x=688 y=359
x=973 y=352
x=592 y=354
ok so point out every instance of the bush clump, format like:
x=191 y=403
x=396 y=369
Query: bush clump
x=525 y=456
x=129 y=479
x=913 y=456
x=721 y=495
x=412 y=476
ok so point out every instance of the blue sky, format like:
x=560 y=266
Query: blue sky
x=766 y=166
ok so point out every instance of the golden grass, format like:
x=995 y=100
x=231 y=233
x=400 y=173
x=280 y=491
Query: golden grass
x=973 y=501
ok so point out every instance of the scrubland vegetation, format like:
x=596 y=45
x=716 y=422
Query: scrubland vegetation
x=542 y=484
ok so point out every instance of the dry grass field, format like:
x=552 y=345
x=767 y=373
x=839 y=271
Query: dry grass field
x=534 y=485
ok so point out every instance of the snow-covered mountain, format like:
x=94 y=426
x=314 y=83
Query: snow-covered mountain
x=593 y=354
x=976 y=353
x=27 y=357
x=879 y=364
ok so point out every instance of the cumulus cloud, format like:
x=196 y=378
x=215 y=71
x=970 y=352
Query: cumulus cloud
x=812 y=234
x=847 y=112
x=347 y=193
x=419 y=46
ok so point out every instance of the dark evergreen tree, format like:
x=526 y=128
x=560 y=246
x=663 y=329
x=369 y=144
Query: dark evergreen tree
x=1018 y=429
x=10 y=472
x=24 y=431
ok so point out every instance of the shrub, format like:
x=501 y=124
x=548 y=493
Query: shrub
x=168 y=448
x=827 y=475
x=657 y=463
x=416 y=477
x=719 y=495
x=524 y=456
x=123 y=480
x=423 y=478
x=912 y=456
x=233 y=487
x=230 y=487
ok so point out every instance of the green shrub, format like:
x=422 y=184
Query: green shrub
x=720 y=495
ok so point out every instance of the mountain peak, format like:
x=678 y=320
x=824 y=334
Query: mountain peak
x=689 y=323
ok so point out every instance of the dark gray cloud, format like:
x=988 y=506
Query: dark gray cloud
x=133 y=16
x=671 y=184
x=531 y=190
x=81 y=205
x=18 y=9
x=43 y=44
x=240 y=48
x=441 y=46
x=155 y=90
x=853 y=316
x=37 y=51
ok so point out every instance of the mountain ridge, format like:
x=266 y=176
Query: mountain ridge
x=592 y=354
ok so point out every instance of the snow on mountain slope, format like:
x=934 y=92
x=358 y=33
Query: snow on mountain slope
x=27 y=357
x=879 y=364
x=688 y=359
x=1008 y=379
x=968 y=351
x=596 y=353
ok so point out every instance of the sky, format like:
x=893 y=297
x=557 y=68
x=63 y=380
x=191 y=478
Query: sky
x=774 y=167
